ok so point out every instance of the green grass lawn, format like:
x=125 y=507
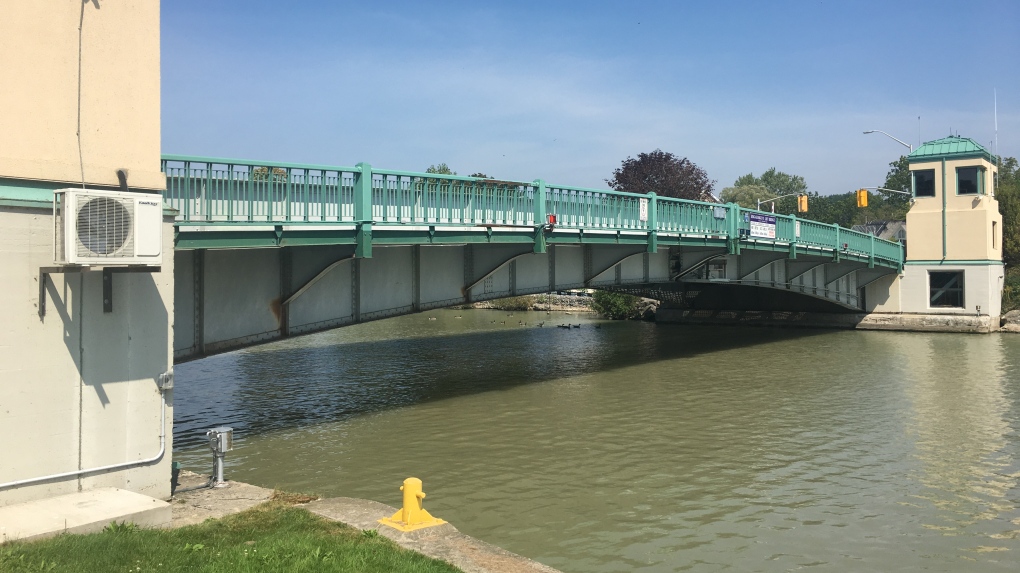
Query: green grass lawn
x=271 y=537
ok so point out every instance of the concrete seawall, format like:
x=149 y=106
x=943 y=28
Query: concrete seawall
x=859 y=321
x=440 y=542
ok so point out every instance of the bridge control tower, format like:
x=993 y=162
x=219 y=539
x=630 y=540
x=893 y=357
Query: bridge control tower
x=953 y=272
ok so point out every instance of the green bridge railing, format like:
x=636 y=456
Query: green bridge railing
x=215 y=191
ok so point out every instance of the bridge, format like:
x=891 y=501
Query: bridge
x=265 y=250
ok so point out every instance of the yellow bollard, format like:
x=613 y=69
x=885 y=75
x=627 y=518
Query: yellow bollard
x=412 y=515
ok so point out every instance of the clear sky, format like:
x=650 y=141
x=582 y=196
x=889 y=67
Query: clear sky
x=565 y=91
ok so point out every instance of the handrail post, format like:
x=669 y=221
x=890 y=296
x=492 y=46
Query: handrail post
x=835 y=250
x=653 y=223
x=187 y=191
x=733 y=241
x=363 y=210
x=871 y=256
x=539 y=197
x=793 y=230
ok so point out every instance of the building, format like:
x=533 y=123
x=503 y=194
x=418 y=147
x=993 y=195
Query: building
x=82 y=350
x=953 y=275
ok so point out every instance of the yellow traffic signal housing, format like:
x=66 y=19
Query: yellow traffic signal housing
x=862 y=197
x=802 y=203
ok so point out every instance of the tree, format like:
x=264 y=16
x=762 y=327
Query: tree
x=898 y=177
x=664 y=174
x=777 y=182
x=441 y=169
x=1007 y=192
x=746 y=196
x=479 y=175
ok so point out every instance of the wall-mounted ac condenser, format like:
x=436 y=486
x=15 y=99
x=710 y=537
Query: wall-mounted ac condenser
x=107 y=228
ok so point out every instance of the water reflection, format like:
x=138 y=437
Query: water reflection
x=642 y=447
x=961 y=426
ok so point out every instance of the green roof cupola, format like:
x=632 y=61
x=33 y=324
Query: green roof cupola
x=950 y=148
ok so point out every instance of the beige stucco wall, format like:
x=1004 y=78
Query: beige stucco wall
x=969 y=218
x=78 y=388
x=119 y=91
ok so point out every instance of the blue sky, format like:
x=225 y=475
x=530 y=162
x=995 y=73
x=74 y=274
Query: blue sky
x=565 y=91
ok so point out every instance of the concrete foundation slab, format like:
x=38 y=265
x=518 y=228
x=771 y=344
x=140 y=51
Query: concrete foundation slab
x=83 y=512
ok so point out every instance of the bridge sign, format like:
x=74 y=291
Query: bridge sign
x=762 y=226
x=643 y=208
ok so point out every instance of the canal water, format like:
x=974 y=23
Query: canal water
x=640 y=446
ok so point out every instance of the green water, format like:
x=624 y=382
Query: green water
x=642 y=447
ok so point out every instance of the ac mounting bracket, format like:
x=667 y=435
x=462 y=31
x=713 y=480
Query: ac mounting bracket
x=44 y=272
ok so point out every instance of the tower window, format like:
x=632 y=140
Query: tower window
x=924 y=183
x=968 y=181
x=946 y=289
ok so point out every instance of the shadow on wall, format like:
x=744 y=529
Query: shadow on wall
x=127 y=344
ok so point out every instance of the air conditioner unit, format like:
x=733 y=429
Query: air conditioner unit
x=108 y=228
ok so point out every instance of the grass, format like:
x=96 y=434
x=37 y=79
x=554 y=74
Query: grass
x=274 y=536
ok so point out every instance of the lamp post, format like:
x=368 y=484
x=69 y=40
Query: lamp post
x=900 y=141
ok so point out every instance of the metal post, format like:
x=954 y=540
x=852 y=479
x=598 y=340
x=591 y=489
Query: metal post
x=363 y=210
x=286 y=274
x=835 y=252
x=416 y=278
x=540 y=215
x=356 y=289
x=653 y=226
x=795 y=239
x=469 y=271
x=733 y=216
x=552 y=268
x=198 y=276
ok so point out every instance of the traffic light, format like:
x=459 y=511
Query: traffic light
x=802 y=203
x=862 y=197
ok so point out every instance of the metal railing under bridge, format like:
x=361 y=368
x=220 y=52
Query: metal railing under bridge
x=226 y=192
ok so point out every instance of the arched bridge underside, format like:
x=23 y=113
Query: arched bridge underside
x=265 y=251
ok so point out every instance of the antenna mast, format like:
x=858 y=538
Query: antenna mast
x=995 y=99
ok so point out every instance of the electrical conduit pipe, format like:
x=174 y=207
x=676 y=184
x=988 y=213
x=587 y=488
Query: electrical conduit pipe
x=123 y=465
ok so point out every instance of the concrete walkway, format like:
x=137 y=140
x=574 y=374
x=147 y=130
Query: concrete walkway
x=82 y=512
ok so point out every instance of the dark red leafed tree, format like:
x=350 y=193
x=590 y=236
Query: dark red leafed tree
x=664 y=174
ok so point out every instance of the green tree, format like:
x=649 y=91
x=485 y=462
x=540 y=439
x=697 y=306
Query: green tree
x=664 y=174
x=1007 y=192
x=614 y=305
x=441 y=169
x=777 y=182
x=479 y=175
x=746 y=195
x=898 y=177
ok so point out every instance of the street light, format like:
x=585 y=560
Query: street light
x=889 y=190
x=901 y=142
x=774 y=199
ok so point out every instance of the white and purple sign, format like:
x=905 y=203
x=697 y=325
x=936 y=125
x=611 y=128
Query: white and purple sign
x=762 y=226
